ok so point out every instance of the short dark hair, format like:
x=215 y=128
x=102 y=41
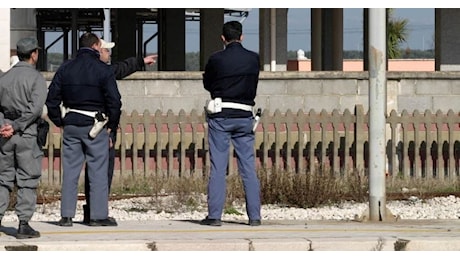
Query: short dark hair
x=232 y=31
x=88 y=39
x=25 y=56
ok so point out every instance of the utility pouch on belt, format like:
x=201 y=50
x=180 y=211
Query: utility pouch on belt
x=100 y=120
x=214 y=106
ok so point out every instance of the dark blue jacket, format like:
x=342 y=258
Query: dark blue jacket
x=233 y=74
x=84 y=83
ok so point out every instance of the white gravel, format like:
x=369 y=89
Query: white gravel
x=167 y=208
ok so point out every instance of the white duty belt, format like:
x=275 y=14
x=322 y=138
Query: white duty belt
x=215 y=106
x=83 y=112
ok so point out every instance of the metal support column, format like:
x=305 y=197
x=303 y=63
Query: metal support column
x=377 y=111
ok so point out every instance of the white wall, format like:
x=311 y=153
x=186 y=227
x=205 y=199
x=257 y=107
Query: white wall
x=4 y=39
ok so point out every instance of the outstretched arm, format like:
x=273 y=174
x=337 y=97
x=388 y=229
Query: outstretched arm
x=122 y=69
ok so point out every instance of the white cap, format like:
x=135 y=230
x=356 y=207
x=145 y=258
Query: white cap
x=13 y=60
x=107 y=45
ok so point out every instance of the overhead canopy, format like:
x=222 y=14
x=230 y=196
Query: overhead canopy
x=60 y=19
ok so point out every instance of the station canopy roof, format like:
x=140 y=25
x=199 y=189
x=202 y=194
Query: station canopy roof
x=91 y=19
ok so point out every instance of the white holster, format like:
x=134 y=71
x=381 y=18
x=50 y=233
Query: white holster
x=215 y=106
x=98 y=126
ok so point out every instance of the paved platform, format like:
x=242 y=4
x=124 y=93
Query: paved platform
x=189 y=235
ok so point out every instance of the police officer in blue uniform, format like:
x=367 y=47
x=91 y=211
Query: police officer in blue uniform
x=231 y=77
x=85 y=86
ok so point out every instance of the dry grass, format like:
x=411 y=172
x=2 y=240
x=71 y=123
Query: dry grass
x=423 y=188
x=310 y=190
x=302 y=190
x=298 y=190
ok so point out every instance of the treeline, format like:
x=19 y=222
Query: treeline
x=405 y=54
x=192 y=62
x=192 y=59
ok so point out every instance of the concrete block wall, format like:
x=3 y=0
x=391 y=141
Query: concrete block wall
x=295 y=90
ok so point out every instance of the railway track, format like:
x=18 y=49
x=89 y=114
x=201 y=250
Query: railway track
x=53 y=198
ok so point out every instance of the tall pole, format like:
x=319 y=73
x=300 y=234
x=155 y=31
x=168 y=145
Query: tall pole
x=75 y=35
x=377 y=111
x=273 y=39
x=107 y=37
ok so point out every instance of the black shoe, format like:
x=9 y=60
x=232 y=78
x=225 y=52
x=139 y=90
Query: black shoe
x=65 y=222
x=108 y=218
x=86 y=214
x=26 y=231
x=211 y=222
x=255 y=222
x=103 y=222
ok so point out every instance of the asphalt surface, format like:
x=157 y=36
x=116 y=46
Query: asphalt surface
x=189 y=235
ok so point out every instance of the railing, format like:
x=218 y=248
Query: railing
x=421 y=146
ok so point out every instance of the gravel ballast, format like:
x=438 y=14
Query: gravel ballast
x=167 y=208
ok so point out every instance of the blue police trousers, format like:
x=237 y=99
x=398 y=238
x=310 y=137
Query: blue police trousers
x=239 y=132
x=78 y=147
